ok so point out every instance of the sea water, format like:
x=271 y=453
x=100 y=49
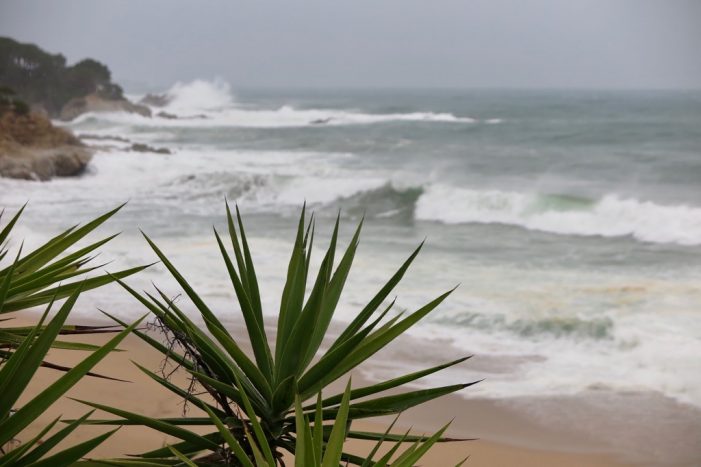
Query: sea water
x=570 y=219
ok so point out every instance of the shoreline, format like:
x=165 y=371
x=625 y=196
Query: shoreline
x=632 y=427
x=506 y=433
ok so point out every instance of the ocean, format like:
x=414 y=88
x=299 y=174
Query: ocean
x=570 y=219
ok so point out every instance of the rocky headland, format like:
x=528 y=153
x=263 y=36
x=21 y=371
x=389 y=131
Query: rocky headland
x=45 y=82
x=37 y=86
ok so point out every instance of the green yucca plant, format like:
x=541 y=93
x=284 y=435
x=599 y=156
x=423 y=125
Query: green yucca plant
x=267 y=384
x=313 y=448
x=15 y=375
x=29 y=281
x=44 y=274
x=316 y=444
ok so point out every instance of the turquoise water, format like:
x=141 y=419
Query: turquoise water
x=571 y=219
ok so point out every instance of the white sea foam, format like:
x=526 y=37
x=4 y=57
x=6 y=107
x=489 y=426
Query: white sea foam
x=277 y=180
x=202 y=104
x=611 y=216
x=285 y=116
x=199 y=95
x=554 y=331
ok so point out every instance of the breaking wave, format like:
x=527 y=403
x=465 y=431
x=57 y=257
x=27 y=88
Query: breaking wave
x=609 y=216
x=385 y=201
x=199 y=95
x=378 y=197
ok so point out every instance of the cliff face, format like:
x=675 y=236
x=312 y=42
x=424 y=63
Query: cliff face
x=46 y=82
x=31 y=148
x=32 y=129
x=95 y=103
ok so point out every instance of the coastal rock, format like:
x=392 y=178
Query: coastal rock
x=167 y=115
x=69 y=161
x=44 y=164
x=31 y=148
x=96 y=103
x=155 y=100
x=140 y=147
x=320 y=121
x=32 y=129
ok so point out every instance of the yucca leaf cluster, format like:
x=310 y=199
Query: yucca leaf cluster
x=319 y=445
x=258 y=398
x=50 y=273
x=252 y=401
x=46 y=273
x=28 y=281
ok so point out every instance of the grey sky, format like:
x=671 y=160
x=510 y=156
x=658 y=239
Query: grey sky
x=383 y=43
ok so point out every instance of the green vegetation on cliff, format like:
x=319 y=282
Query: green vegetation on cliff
x=10 y=102
x=43 y=79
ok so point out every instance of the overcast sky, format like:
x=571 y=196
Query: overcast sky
x=375 y=43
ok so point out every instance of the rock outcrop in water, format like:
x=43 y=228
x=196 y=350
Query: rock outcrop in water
x=31 y=148
x=167 y=115
x=155 y=100
x=46 y=83
x=141 y=147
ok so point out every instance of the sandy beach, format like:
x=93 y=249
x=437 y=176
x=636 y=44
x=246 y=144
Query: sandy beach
x=502 y=432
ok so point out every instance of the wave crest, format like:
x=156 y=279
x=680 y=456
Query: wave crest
x=557 y=326
x=610 y=216
x=199 y=95
x=383 y=202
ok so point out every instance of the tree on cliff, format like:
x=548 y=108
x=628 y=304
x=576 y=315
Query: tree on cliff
x=10 y=102
x=43 y=79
